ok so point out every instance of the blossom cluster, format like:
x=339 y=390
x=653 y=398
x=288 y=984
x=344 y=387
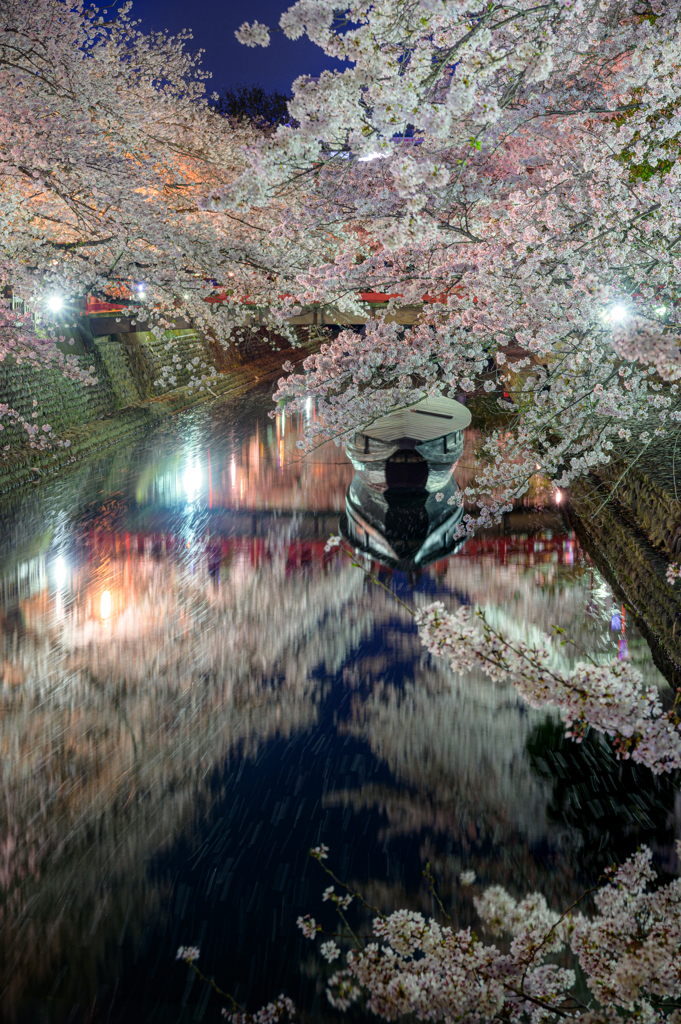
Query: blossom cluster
x=629 y=952
x=269 y=1014
x=188 y=953
x=673 y=573
x=613 y=699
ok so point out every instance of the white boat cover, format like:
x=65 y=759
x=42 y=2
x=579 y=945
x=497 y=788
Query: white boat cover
x=426 y=420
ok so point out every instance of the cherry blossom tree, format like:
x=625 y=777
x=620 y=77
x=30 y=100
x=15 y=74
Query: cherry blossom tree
x=514 y=166
x=613 y=699
x=534 y=201
x=111 y=155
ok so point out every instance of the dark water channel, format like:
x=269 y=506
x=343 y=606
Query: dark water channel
x=194 y=693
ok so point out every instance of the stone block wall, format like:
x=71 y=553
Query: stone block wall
x=61 y=402
x=127 y=366
x=114 y=356
x=147 y=356
x=629 y=529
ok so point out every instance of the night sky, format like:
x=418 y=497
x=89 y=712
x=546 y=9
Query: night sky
x=213 y=23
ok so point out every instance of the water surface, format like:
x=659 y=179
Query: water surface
x=194 y=692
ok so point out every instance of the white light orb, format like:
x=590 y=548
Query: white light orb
x=105 y=605
x=661 y=310
x=55 y=303
x=618 y=314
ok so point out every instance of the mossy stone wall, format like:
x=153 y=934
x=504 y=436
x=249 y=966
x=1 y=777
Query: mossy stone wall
x=61 y=402
x=124 y=401
x=126 y=367
x=114 y=356
x=147 y=356
x=630 y=525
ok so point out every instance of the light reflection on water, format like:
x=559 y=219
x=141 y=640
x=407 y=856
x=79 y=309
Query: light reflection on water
x=194 y=692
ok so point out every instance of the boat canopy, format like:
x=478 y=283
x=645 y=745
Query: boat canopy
x=425 y=421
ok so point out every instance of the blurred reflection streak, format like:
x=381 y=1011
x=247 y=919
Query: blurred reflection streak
x=262 y=471
x=60 y=574
x=105 y=605
x=192 y=479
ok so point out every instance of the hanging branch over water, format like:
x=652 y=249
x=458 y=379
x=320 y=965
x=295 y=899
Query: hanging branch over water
x=612 y=699
x=629 y=952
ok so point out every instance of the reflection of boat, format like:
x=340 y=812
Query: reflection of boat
x=402 y=462
x=403 y=527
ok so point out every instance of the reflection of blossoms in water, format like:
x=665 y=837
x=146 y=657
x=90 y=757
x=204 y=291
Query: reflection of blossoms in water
x=182 y=647
x=176 y=679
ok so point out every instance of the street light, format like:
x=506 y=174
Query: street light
x=618 y=314
x=55 y=303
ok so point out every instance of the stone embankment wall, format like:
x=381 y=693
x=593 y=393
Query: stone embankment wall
x=125 y=399
x=630 y=520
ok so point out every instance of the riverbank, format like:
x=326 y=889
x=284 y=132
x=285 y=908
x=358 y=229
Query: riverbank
x=24 y=466
x=629 y=517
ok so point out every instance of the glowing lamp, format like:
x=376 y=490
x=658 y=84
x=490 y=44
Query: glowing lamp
x=618 y=314
x=55 y=303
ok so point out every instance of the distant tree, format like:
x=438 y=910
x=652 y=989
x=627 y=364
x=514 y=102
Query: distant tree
x=253 y=103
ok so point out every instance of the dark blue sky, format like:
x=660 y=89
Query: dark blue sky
x=213 y=23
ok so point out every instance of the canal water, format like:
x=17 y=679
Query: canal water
x=195 y=692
